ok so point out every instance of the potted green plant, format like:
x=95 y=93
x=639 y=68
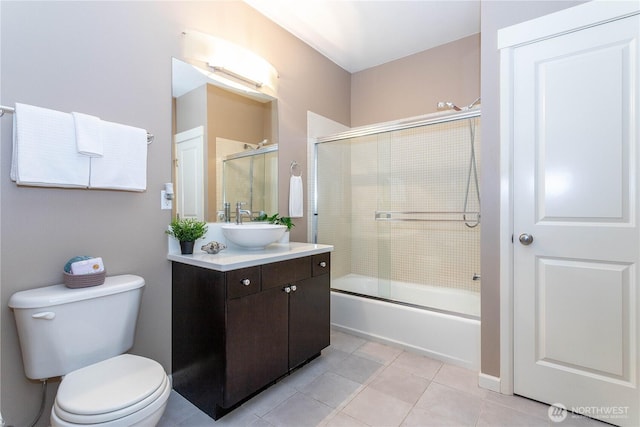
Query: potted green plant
x=282 y=220
x=187 y=231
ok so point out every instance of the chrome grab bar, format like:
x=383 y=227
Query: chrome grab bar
x=427 y=216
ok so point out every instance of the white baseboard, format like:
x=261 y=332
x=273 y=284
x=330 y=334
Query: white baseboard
x=489 y=382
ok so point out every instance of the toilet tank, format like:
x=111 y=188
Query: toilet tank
x=63 y=329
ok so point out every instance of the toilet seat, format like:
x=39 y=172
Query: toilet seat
x=110 y=390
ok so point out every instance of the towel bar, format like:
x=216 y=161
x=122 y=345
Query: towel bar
x=4 y=109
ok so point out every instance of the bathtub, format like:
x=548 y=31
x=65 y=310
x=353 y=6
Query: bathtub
x=438 y=333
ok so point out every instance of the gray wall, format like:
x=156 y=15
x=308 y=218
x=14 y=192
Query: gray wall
x=412 y=86
x=113 y=60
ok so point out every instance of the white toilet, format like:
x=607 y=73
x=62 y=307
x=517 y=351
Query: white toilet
x=81 y=334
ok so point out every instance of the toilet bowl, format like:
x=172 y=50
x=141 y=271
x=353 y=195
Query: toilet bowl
x=82 y=335
x=126 y=390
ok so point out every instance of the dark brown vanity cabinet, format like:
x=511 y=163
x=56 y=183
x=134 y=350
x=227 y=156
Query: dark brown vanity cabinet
x=235 y=333
x=306 y=282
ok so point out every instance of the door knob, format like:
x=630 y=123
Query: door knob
x=525 y=239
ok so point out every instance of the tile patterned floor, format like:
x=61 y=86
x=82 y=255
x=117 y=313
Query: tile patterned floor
x=356 y=382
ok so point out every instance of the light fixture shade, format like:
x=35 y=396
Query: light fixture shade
x=231 y=62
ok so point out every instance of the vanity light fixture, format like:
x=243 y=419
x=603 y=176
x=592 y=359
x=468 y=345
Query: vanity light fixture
x=223 y=70
x=235 y=85
x=229 y=62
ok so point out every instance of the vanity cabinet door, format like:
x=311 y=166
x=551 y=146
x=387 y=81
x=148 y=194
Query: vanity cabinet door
x=257 y=343
x=309 y=319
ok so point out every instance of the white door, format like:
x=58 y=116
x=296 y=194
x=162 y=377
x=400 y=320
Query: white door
x=189 y=173
x=575 y=194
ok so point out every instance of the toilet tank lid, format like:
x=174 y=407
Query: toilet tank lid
x=60 y=294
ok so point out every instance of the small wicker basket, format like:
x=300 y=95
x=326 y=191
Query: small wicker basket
x=83 y=280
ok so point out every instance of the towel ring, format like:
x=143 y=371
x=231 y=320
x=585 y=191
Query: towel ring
x=293 y=167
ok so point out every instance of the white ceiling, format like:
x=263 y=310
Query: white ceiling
x=358 y=35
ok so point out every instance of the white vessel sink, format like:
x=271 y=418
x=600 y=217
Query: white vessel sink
x=253 y=235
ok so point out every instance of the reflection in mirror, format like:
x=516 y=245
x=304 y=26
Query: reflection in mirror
x=215 y=123
x=249 y=175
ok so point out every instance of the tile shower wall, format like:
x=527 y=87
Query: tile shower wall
x=421 y=170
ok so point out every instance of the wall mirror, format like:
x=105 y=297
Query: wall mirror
x=225 y=146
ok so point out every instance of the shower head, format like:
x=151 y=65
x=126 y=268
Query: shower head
x=442 y=105
x=258 y=146
x=448 y=106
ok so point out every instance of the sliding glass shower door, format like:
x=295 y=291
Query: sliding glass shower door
x=402 y=208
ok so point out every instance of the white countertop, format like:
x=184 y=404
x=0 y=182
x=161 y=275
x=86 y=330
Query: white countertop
x=232 y=259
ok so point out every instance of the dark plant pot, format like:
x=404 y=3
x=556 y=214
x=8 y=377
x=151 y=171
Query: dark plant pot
x=186 y=248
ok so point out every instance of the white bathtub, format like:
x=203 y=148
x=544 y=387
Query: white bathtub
x=445 y=336
x=455 y=301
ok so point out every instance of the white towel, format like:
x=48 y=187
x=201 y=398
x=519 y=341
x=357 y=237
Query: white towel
x=44 y=149
x=123 y=165
x=295 y=197
x=88 y=129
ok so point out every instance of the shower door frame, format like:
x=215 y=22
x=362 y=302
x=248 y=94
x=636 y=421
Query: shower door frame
x=377 y=129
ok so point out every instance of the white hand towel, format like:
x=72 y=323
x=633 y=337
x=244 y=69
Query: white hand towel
x=295 y=197
x=44 y=149
x=123 y=165
x=87 y=129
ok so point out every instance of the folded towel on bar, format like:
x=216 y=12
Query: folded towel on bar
x=45 y=151
x=88 y=130
x=295 y=197
x=123 y=165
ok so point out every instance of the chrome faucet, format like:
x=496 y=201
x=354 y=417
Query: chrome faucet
x=227 y=212
x=240 y=212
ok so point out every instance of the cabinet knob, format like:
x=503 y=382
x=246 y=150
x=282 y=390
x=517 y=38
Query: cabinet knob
x=287 y=289
x=323 y=264
x=246 y=282
x=293 y=288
